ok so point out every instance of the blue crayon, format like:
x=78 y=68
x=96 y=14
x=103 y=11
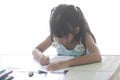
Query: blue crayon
x=5 y=74
x=1 y=71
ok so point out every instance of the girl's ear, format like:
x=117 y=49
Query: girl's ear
x=77 y=30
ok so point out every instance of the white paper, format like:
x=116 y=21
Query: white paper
x=28 y=63
x=55 y=59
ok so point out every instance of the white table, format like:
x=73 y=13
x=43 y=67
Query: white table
x=22 y=64
x=96 y=71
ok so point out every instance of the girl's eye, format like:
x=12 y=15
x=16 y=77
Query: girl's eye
x=64 y=38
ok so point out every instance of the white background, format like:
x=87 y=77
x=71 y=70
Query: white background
x=25 y=23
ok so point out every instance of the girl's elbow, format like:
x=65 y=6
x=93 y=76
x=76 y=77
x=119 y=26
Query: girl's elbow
x=98 y=58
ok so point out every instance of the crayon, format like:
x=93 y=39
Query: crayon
x=5 y=74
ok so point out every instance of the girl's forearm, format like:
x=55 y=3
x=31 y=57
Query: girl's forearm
x=87 y=59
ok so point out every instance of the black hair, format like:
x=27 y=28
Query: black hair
x=65 y=19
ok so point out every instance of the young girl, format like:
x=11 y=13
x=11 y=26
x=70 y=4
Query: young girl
x=70 y=34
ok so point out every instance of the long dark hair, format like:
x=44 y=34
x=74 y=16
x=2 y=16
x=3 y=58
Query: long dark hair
x=65 y=19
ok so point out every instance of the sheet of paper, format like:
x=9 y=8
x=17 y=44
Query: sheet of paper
x=28 y=63
x=55 y=59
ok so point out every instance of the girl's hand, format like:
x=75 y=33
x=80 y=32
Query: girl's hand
x=44 y=60
x=57 y=65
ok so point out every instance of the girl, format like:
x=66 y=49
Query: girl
x=71 y=35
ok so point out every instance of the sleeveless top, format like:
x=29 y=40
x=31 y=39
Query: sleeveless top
x=79 y=49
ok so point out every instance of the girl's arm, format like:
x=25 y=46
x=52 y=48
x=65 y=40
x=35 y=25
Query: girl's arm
x=37 y=52
x=92 y=57
x=45 y=44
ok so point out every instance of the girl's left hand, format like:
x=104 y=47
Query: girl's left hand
x=57 y=65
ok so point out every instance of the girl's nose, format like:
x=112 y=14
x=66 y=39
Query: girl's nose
x=60 y=40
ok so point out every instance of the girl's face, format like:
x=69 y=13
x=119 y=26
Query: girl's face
x=64 y=40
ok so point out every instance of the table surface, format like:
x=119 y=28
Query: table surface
x=23 y=64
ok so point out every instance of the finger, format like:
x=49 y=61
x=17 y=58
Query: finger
x=52 y=67
x=49 y=67
x=46 y=57
x=44 y=60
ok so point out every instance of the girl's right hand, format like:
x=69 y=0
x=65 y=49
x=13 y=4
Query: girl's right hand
x=44 y=60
